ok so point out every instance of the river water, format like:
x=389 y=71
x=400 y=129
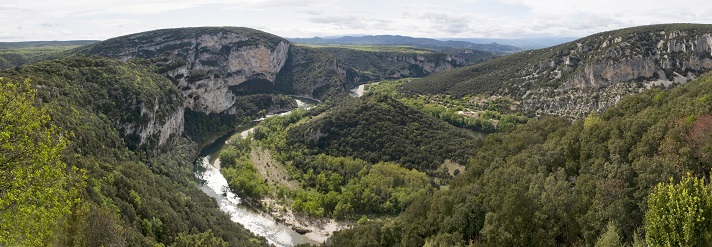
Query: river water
x=357 y=91
x=215 y=186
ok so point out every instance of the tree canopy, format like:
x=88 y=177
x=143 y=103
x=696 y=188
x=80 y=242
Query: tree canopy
x=33 y=195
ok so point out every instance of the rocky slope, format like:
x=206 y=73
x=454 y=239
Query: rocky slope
x=588 y=74
x=377 y=65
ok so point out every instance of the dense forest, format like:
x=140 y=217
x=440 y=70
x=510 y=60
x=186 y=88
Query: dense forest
x=380 y=128
x=553 y=182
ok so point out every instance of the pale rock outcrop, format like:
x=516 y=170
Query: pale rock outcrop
x=154 y=130
x=205 y=62
x=428 y=66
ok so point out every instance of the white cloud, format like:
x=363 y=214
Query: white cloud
x=271 y=4
x=101 y=19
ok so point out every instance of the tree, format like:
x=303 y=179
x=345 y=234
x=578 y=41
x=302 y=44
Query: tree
x=33 y=198
x=610 y=237
x=680 y=214
x=100 y=226
x=206 y=239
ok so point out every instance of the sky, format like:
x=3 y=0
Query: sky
x=25 y=20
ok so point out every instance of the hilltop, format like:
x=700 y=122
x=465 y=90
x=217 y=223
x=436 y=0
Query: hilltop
x=591 y=73
x=379 y=128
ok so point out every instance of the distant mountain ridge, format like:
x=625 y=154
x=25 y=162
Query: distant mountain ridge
x=407 y=41
x=588 y=74
x=14 y=54
x=523 y=43
x=28 y=44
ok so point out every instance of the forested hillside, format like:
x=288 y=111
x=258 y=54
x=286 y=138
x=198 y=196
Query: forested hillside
x=121 y=192
x=553 y=182
x=379 y=128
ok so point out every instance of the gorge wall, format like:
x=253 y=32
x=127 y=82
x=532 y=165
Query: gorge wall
x=204 y=62
x=593 y=73
x=588 y=74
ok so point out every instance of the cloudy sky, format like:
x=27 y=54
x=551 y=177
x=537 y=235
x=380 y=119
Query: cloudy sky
x=24 y=20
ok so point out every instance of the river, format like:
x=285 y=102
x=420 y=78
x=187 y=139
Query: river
x=357 y=91
x=215 y=186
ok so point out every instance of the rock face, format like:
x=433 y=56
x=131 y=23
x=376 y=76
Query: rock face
x=377 y=65
x=204 y=62
x=589 y=74
x=205 y=80
x=162 y=128
x=593 y=73
x=419 y=65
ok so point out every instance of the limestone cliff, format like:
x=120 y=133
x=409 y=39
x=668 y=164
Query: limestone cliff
x=419 y=65
x=588 y=74
x=155 y=132
x=593 y=73
x=204 y=62
x=214 y=66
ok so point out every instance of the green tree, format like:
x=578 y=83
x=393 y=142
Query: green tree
x=100 y=226
x=610 y=237
x=33 y=197
x=680 y=214
x=206 y=239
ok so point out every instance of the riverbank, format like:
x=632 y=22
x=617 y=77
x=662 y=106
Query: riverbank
x=265 y=217
x=268 y=211
x=318 y=230
x=216 y=186
x=275 y=173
